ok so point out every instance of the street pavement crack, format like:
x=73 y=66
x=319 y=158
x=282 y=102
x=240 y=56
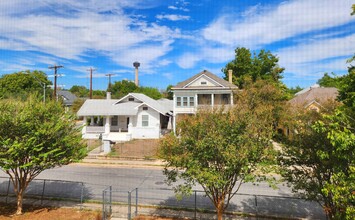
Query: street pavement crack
x=145 y=178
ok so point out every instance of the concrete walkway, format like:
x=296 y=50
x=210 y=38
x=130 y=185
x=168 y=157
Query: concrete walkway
x=97 y=158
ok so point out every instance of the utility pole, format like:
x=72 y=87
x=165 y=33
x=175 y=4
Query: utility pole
x=91 y=70
x=109 y=81
x=55 y=67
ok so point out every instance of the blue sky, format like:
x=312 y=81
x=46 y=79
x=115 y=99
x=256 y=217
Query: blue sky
x=172 y=39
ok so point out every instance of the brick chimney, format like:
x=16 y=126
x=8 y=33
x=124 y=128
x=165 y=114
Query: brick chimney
x=230 y=76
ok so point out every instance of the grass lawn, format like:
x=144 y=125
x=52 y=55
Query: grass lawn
x=45 y=213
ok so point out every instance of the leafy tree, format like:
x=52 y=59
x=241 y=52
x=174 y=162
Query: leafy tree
x=294 y=90
x=77 y=105
x=263 y=65
x=150 y=91
x=122 y=88
x=21 y=84
x=222 y=148
x=319 y=161
x=347 y=92
x=169 y=93
x=35 y=137
x=98 y=94
x=79 y=91
x=330 y=81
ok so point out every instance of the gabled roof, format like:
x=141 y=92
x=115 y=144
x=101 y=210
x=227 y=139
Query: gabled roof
x=67 y=96
x=319 y=95
x=109 y=107
x=160 y=107
x=219 y=82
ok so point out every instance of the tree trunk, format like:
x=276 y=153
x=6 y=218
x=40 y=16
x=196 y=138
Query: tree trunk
x=19 y=202
x=220 y=210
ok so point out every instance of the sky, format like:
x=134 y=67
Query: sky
x=172 y=39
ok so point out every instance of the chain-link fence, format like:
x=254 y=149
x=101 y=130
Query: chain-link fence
x=118 y=203
x=44 y=189
x=163 y=202
x=155 y=201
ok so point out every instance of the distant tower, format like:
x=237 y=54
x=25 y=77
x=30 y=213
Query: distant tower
x=136 y=65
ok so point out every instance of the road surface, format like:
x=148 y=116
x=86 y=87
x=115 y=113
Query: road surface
x=153 y=191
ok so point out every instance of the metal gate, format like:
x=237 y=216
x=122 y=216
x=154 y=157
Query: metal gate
x=119 y=203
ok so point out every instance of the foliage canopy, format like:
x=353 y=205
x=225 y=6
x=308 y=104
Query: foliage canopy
x=34 y=137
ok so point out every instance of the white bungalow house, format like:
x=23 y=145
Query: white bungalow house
x=133 y=116
x=200 y=91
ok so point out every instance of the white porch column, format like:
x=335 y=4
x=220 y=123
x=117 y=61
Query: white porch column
x=212 y=99
x=232 y=103
x=108 y=125
x=92 y=120
x=84 y=120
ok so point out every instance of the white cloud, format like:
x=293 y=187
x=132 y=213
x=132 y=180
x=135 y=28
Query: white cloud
x=286 y=20
x=172 y=7
x=71 y=29
x=173 y=17
x=188 y=60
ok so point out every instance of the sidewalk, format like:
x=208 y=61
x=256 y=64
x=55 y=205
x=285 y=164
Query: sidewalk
x=95 y=157
x=158 y=164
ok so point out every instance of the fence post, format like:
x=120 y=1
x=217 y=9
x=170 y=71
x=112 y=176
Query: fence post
x=103 y=205
x=136 y=202
x=195 y=214
x=8 y=189
x=256 y=206
x=81 y=196
x=129 y=205
x=110 y=200
x=44 y=187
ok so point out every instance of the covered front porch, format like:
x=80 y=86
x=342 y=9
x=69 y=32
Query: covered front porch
x=114 y=128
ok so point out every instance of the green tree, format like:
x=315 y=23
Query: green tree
x=294 y=90
x=21 y=84
x=79 y=91
x=35 y=137
x=330 y=81
x=347 y=92
x=150 y=91
x=122 y=88
x=319 y=161
x=263 y=65
x=222 y=148
x=169 y=93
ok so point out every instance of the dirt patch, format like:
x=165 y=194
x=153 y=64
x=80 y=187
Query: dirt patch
x=40 y=213
x=143 y=149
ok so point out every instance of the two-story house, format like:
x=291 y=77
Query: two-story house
x=200 y=91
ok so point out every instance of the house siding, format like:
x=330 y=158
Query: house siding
x=153 y=128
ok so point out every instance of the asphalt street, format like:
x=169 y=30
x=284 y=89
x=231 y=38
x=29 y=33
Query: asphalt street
x=152 y=190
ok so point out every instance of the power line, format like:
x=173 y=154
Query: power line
x=55 y=67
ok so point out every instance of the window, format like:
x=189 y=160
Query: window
x=192 y=102
x=145 y=108
x=131 y=99
x=184 y=101
x=203 y=83
x=178 y=101
x=145 y=120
